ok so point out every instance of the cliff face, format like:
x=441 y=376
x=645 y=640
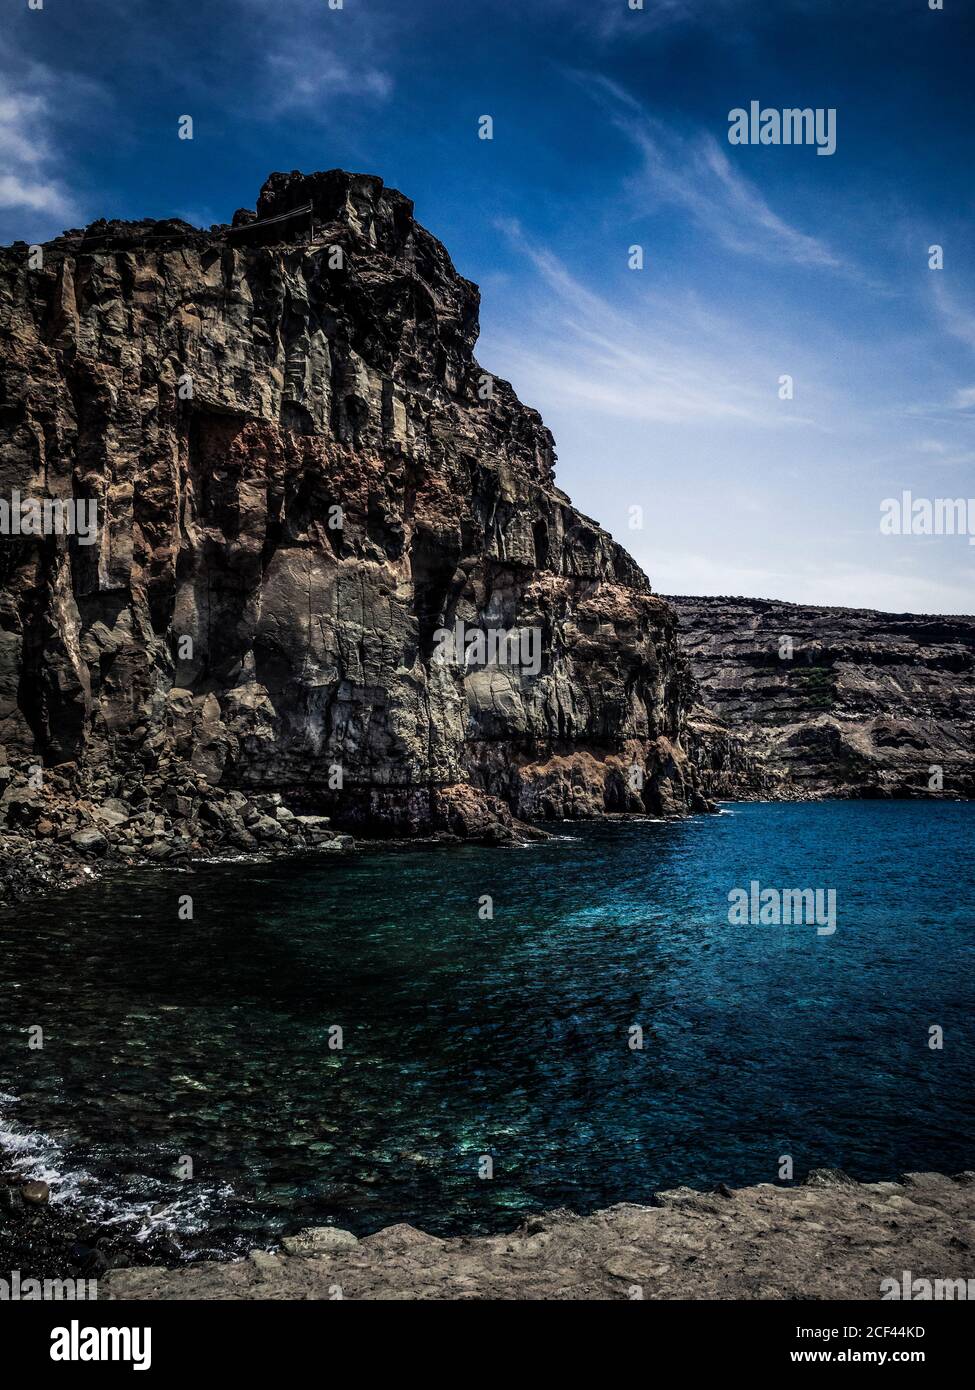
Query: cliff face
x=867 y=704
x=302 y=475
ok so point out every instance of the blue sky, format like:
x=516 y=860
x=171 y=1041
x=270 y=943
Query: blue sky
x=610 y=130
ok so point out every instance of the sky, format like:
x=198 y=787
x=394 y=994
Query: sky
x=661 y=384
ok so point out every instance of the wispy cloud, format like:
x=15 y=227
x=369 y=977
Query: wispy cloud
x=960 y=323
x=694 y=173
x=658 y=360
x=943 y=455
x=312 y=56
x=309 y=77
x=30 y=178
x=613 y=22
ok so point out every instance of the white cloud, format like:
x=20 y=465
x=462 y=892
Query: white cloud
x=31 y=180
x=37 y=196
x=312 y=57
x=960 y=324
x=20 y=115
x=666 y=398
x=942 y=455
x=26 y=154
x=839 y=585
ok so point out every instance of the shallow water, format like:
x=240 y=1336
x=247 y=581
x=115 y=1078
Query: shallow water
x=508 y=1037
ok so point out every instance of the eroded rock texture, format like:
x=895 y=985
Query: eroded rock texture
x=831 y=1238
x=322 y=393
x=867 y=704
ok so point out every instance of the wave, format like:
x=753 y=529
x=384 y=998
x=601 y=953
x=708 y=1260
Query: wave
x=146 y=1205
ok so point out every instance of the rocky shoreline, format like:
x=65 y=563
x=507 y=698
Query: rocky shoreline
x=58 y=832
x=46 y=1239
x=831 y=1238
x=63 y=831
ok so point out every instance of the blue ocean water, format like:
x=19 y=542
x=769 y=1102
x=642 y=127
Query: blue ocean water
x=466 y=1036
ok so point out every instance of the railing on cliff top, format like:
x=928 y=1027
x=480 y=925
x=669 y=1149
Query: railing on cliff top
x=306 y=210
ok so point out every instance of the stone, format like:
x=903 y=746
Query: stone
x=266 y=828
x=92 y=1262
x=399 y=1238
x=37 y=1194
x=925 y=1179
x=676 y=1196
x=318 y=1240
x=23 y=806
x=829 y=1177
x=89 y=841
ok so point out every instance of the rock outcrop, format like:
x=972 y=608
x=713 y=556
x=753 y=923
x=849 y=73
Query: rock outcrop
x=832 y=1238
x=799 y=703
x=302 y=478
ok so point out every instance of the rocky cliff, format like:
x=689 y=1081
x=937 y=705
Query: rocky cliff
x=799 y=702
x=303 y=477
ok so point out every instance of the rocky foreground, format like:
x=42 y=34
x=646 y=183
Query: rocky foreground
x=830 y=1238
x=799 y=702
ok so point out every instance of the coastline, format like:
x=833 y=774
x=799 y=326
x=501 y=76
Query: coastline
x=831 y=1238
x=60 y=1230
x=52 y=843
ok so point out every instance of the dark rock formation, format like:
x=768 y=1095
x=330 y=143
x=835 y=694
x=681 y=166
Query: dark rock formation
x=832 y=1238
x=302 y=475
x=867 y=704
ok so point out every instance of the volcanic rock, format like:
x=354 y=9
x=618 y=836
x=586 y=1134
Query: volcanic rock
x=303 y=478
x=799 y=703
